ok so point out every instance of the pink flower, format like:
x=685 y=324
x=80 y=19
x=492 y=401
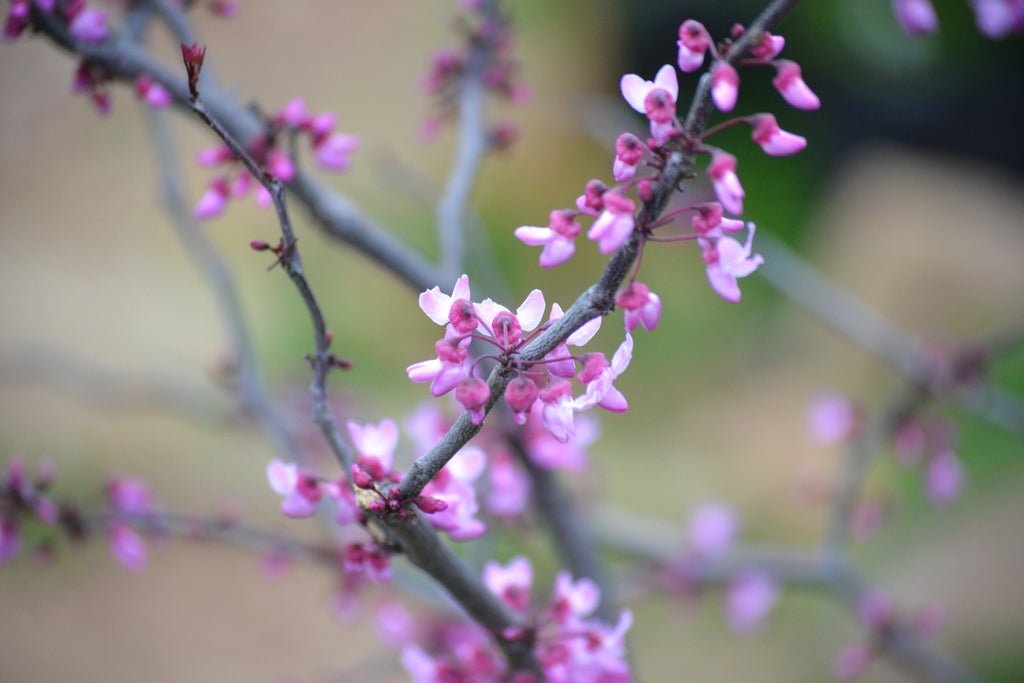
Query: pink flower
x=213 y=201
x=437 y=305
x=722 y=171
x=629 y=151
x=916 y=17
x=769 y=47
x=301 y=490
x=943 y=478
x=851 y=661
x=473 y=393
x=508 y=490
x=332 y=152
x=89 y=25
x=558 y=238
x=510 y=583
x=573 y=600
x=127 y=546
x=642 y=306
x=772 y=139
x=725 y=83
x=749 y=599
x=600 y=390
x=559 y=361
x=790 y=84
x=728 y=260
x=376 y=441
x=711 y=530
x=693 y=43
x=998 y=18
x=615 y=225
x=128 y=495
x=10 y=540
x=151 y=92
x=454 y=486
x=831 y=418
x=451 y=366
x=656 y=99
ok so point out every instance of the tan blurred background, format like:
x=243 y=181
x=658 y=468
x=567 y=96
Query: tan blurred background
x=110 y=345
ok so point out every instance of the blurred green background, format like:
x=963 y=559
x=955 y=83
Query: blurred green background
x=909 y=195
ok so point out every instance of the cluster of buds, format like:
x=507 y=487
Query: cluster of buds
x=486 y=55
x=331 y=149
x=995 y=19
x=615 y=214
x=545 y=381
x=567 y=642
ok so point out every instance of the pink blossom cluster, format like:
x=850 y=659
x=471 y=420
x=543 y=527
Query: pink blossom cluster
x=616 y=215
x=84 y=23
x=22 y=498
x=545 y=382
x=570 y=646
x=930 y=442
x=877 y=612
x=995 y=19
x=449 y=499
x=331 y=149
x=487 y=52
x=712 y=529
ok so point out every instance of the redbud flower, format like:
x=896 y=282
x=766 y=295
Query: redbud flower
x=614 y=226
x=17 y=20
x=773 y=140
x=709 y=223
x=213 y=201
x=473 y=393
x=454 y=486
x=943 y=478
x=656 y=99
x=591 y=202
x=728 y=260
x=749 y=599
x=831 y=418
x=151 y=92
x=998 y=18
x=520 y=395
x=128 y=495
x=790 y=84
x=437 y=305
x=557 y=409
x=89 y=25
x=280 y=165
x=851 y=661
x=296 y=486
x=916 y=17
x=332 y=152
x=510 y=583
x=769 y=47
x=629 y=151
x=376 y=441
x=693 y=43
x=600 y=390
x=722 y=171
x=559 y=361
x=508 y=486
x=642 y=306
x=558 y=238
x=127 y=546
x=711 y=530
x=725 y=82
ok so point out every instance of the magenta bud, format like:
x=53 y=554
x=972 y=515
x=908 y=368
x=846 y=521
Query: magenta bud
x=361 y=478
x=259 y=245
x=429 y=504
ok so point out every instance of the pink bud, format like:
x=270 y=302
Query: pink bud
x=89 y=25
x=213 y=201
x=429 y=504
x=462 y=316
x=722 y=171
x=790 y=84
x=916 y=17
x=127 y=546
x=772 y=139
x=473 y=393
x=520 y=394
x=693 y=43
x=769 y=47
x=361 y=478
x=725 y=82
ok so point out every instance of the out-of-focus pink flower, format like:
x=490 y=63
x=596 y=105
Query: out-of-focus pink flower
x=851 y=661
x=772 y=139
x=89 y=25
x=943 y=477
x=128 y=495
x=10 y=540
x=790 y=84
x=334 y=151
x=126 y=546
x=916 y=17
x=711 y=530
x=511 y=583
x=831 y=418
x=151 y=92
x=749 y=599
x=508 y=491
x=600 y=390
x=213 y=201
x=573 y=599
x=629 y=152
x=301 y=490
x=997 y=19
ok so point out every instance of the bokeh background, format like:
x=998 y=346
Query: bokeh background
x=909 y=195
